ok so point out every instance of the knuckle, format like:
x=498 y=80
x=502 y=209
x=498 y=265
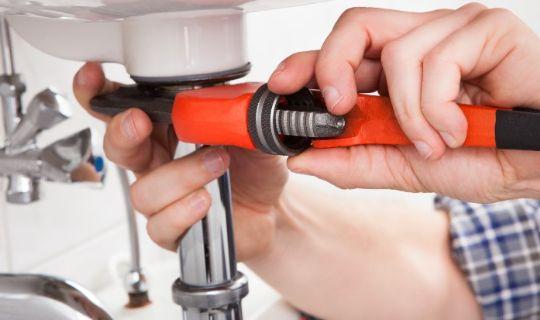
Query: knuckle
x=410 y=120
x=356 y=16
x=206 y=195
x=429 y=108
x=475 y=6
x=155 y=236
x=501 y=15
x=137 y=198
x=351 y=13
x=300 y=55
x=435 y=58
x=394 y=52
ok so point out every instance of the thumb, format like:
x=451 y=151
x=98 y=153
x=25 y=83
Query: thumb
x=89 y=82
x=369 y=167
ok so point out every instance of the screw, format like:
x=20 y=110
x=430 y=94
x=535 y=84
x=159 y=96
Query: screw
x=309 y=124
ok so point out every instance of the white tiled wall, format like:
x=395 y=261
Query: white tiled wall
x=76 y=231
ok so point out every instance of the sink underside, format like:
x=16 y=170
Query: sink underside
x=99 y=10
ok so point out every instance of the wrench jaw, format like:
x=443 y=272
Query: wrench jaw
x=246 y=115
x=263 y=128
x=156 y=102
x=286 y=125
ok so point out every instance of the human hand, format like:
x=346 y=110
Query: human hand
x=426 y=63
x=170 y=193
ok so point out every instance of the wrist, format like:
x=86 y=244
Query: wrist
x=282 y=231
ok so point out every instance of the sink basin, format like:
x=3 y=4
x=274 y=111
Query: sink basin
x=117 y=9
x=31 y=296
x=157 y=41
x=262 y=303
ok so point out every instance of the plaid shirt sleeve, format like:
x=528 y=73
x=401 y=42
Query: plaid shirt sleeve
x=497 y=246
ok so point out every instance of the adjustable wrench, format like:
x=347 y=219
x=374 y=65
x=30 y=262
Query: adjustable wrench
x=250 y=116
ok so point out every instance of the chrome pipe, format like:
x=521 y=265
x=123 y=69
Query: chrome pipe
x=135 y=281
x=214 y=263
x=209 y=286
x=132 y=221
x=21 y=189
x=8 y=63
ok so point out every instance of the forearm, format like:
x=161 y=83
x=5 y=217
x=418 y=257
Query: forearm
x=340 y=260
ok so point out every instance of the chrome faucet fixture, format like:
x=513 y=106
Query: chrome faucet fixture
x=21 y=160
x=67 y=160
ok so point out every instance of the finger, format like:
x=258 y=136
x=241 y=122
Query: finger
x=402 y=63
x=89 y=82
x=469 y=53
x=372 y=167
x=175 y=180
x=359 y=33
x=167 y=227
x=298 y=71
x=368 y=75
x=294 y=73
x=127 y=142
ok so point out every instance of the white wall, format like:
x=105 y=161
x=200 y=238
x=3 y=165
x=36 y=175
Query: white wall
x=74 y=231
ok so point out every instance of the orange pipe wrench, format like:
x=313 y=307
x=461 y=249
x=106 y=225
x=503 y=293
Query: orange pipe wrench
x=250 y=116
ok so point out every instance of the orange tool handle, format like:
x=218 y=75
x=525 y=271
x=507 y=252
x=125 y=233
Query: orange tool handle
x=372 y=121
x=215 y=115
x=221 y=116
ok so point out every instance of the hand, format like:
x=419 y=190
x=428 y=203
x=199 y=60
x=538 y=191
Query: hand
x=170 y=193
x=431 y=61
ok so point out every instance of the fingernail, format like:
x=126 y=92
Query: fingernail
x=197 y=203
x=424 y=149
x=128 y=126
x=449 y=139
x=213 y=162
x=331 y=97
x=79 y=79
x=279 y=69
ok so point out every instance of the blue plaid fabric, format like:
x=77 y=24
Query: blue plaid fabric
x=497 y=246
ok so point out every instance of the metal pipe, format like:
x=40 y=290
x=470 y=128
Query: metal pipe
x=210 y=287
x=8 y=63
x=21 y=189
x=11 y=96
x=136 y=286
x=132 y=221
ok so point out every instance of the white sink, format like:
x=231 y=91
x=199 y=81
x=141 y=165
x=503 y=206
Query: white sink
x=117 y=9
x=158 y=39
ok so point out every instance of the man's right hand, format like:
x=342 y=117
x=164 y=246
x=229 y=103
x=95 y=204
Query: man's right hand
x=426 y=62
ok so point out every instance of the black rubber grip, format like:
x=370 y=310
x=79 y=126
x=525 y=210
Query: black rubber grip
x=155 y=104
x=517 y=129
